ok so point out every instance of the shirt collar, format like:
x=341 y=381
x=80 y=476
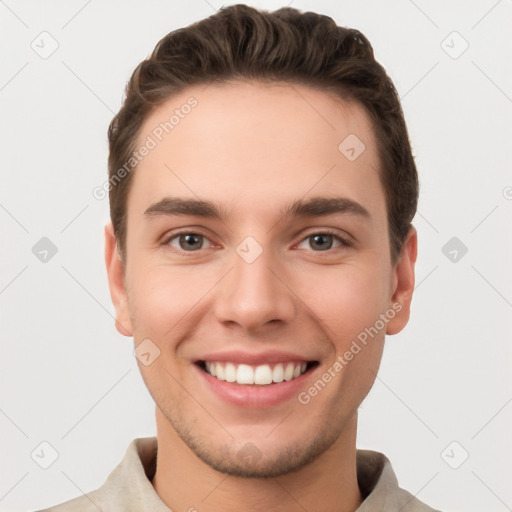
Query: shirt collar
x=129 y=486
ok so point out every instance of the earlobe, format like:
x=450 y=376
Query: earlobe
x=403 y=283
x=116 y=282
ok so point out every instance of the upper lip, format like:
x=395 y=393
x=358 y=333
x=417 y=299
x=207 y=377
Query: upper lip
x=254 y=359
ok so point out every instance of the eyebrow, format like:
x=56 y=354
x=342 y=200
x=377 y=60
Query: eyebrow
x=313 y=207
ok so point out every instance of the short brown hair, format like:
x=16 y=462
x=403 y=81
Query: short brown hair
x=241 y=42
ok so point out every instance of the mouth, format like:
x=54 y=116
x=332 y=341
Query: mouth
x=256 y=375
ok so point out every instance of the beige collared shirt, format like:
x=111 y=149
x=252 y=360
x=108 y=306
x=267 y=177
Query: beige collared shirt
x=128 y=488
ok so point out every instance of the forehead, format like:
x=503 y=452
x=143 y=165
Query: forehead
x=246 y=141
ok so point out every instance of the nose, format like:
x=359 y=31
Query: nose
x=255 y=294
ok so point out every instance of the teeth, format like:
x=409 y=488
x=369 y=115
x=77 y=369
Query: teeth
x=260 y=375
x=230 y=372
x=288 y=372
x=245 y=374
x=263 y=375
x=278 y=373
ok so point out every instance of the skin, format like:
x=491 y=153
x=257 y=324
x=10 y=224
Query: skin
x=253 y=149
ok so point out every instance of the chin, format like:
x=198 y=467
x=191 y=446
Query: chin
x=259 y=458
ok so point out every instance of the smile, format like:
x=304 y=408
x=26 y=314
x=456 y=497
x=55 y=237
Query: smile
x=261 y=375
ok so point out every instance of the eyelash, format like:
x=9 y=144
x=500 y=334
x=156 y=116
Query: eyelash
x=343 y=242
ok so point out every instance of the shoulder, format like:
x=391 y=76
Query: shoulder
x=126 y=487
x=379 y=486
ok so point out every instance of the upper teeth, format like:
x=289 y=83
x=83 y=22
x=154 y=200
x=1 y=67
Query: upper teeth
x=260 y=375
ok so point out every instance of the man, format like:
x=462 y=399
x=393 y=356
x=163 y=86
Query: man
x=262 y=188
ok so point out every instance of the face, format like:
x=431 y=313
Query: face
x=258 y=275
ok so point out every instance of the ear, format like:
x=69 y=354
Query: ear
x=116 y=282
x=403 y=283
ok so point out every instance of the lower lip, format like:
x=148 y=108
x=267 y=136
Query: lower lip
x=255 y=396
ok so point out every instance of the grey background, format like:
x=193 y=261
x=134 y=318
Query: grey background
x=70 y=380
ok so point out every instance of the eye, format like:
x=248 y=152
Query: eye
x=188 y=241
x=323 y=241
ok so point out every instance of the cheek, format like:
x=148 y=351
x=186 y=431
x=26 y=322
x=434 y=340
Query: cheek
x=162 y=298
x=163 y=302
x=348 y=299
x=351 y=307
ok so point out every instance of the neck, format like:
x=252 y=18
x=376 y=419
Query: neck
x=184 y=482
